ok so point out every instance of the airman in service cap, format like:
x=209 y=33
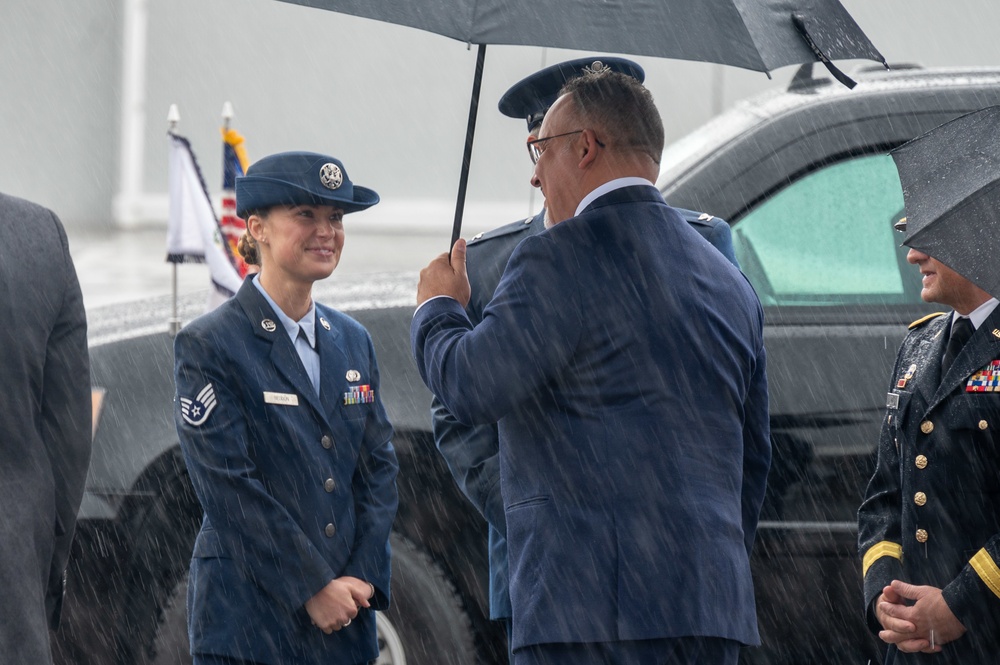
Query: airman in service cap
x=531 y=97
x=295 y=178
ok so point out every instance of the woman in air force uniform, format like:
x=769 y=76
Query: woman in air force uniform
x=286 y=440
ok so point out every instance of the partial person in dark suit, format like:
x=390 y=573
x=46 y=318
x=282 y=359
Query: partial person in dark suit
x=472 y=453
x=45 y=424
x=284 y=434
x=623 y=358
x=929 y=527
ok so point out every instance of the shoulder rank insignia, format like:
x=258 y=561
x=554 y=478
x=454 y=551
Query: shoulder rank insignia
x=925 y=319
x=195 y=411
x=985 y=380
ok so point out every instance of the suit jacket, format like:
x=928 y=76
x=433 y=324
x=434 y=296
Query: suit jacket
x=931 y=513
x=472 y=453
x=45 y=424
x=297 y=488
x=625 y=364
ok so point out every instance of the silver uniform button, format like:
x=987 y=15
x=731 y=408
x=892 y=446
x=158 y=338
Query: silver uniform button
x=330 y=530
x=327 y=442
x=329 y=484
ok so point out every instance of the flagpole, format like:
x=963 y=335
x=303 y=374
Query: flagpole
x=174 y=324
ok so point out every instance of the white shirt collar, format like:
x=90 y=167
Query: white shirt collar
x=979 y=314
x=610 y=186
x=306 y=324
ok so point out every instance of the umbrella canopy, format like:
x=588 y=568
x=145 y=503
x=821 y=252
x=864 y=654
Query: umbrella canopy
x=951 y=192
x=760 y=35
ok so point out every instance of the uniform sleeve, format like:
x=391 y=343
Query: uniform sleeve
x=473 y=457
x=251 y=527
x=375 y=498
x=66 y=417
x=756 y=450
x=974 y=596
x=879 y=520
x=522 y=325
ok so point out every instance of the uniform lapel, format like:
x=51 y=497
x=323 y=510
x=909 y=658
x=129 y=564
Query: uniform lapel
x=981 y=348
x=284 y=357
x=929 y=362
x=332 y=362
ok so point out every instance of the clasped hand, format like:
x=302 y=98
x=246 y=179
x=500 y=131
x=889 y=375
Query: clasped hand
x=924 y=625
x=338 y=603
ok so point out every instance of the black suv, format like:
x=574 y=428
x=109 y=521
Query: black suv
x=804 y=179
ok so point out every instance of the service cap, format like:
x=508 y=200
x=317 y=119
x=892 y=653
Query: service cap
x=295 y=178
x=531 y=97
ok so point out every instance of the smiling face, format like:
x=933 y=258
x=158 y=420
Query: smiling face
x=299 y=244
x=943 y=285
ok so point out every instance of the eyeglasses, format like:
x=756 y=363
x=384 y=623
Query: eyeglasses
x=535 y=150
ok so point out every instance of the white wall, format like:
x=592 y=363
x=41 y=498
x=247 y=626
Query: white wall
x=391 y=102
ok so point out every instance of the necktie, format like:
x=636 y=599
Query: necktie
x=961 y=331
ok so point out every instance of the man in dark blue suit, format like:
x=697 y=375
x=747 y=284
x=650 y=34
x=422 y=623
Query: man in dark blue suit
x=623 y=357
x=472 y=453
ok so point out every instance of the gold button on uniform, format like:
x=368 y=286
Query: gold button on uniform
x=983 y=424
x=329 y=485
x=922 y=535
x=920 y=498
x=330 y=530
x=927 y=427
x=327 y=442
x=921 y=462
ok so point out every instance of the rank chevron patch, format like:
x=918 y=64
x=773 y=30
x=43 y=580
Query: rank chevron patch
x=195 y=411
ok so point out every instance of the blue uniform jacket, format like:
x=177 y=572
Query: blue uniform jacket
x=624 y=359
x=297 y=488
x=472 y=453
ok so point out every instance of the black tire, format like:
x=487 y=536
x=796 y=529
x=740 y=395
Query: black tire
x=171 y=645
x=162 y=533
x=426 y=613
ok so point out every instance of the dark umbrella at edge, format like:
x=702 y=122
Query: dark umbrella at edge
x=951 y=193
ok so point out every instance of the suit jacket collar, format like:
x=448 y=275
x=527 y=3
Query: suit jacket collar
x=631 y=194
x=982 y=347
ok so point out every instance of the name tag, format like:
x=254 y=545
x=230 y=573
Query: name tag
x=281 y=398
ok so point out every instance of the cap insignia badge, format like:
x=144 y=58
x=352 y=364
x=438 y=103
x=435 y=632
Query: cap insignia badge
x=331 y=176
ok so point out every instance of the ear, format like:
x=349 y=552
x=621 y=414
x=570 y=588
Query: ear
x=588 y=148
x=255 y=225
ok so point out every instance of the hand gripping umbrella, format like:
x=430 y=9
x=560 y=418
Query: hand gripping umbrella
x=760 y=35
x=951 y=193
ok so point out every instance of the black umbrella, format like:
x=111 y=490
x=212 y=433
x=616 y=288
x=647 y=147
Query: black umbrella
x=761 y=35
x=951 y=191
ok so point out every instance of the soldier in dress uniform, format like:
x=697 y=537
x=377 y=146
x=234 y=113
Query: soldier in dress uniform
x=283 y=431
x=929 y=527
x=472 y=452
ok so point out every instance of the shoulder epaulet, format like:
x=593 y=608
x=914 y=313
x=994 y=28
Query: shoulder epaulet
x=695 y=217
x=500 y=231
x=925 y=319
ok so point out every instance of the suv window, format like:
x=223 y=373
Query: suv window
x=827 y=239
